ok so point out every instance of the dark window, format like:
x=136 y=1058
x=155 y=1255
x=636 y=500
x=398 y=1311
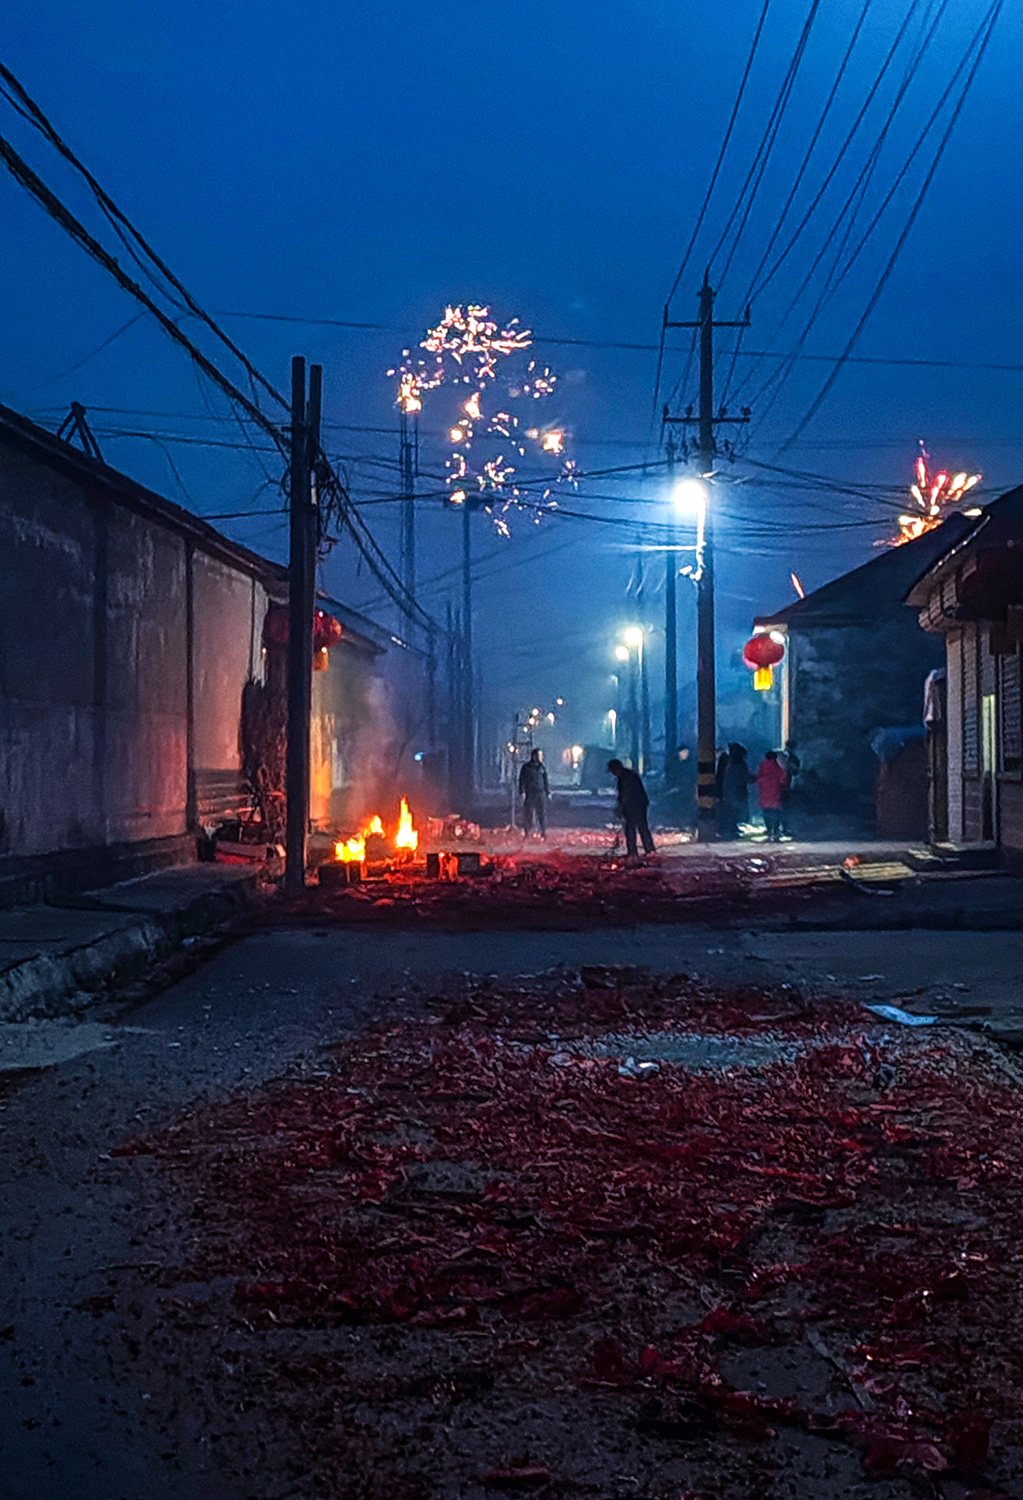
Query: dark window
x=1010 y=727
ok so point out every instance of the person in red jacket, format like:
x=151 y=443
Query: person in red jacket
x=772 y=782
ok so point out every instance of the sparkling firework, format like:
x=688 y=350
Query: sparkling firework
x=934 y=496
x=486 y=435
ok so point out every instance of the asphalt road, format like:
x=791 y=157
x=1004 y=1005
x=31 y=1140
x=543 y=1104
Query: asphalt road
x=70 y=1219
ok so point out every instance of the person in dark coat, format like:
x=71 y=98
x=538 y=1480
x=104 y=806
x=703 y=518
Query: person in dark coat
x=733 y=783
x=632 y=805
x=534 y=789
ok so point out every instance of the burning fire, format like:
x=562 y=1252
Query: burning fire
x=933 y=495
x=406 y=837
x=353 y=850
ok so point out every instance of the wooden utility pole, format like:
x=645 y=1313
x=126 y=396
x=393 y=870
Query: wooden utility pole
x=305 y=441
x=706 y=449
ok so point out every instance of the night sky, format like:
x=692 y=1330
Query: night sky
x=370 y=163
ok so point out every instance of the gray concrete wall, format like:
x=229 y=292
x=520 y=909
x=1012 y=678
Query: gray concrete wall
x=99 y=601
x=93 y=704
x=228 y=611
x=846 y=682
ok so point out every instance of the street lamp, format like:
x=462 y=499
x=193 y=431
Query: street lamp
x=689 y=495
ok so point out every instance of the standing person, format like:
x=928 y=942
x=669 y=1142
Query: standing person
x=632 y=805
x=772 y=781
x=733 y=797
x=534 y=789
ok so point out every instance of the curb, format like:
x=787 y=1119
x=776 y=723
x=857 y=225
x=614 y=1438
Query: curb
x=61 y=983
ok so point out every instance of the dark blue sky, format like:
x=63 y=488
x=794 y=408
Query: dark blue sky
x=371 y=163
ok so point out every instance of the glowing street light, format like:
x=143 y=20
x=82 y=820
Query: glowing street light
x=621 y=653
x=634 y=637
x=689 y=495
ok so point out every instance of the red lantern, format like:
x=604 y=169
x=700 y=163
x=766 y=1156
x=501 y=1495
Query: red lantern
x=275 y=626
x=326 y=631
x=762 y=651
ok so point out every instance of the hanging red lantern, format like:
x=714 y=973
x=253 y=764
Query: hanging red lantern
x=275 y=626
x=327 y=631
x=762 y=651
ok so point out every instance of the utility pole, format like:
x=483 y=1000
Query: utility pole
x=706 y=448
x=408 y=458
x=671 y=766
x=467 y=779
x=305 y=442
x=707 y=420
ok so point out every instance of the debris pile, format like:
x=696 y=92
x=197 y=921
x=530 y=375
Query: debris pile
x=556 y=892
x=794 y=1187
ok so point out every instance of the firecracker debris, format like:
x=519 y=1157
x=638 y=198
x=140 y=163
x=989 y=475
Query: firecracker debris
x=608 y=1234
x=557 y=892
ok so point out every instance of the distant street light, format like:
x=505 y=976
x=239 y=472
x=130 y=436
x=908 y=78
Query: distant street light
x=621 y=653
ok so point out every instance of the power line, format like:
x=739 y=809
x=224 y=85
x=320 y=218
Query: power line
x=28 y=108
x=804 y=166
x=985 y=38
x=332 y=487
x=721 y=154
x=760 y=160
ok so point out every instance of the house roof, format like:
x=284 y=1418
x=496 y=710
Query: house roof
x=878 y=587
x=1001 y=525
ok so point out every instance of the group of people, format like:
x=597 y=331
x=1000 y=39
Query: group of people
x=773 y=781
x=534 y=789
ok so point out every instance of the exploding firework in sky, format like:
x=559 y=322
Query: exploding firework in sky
x=487 y=430
x=935 y=495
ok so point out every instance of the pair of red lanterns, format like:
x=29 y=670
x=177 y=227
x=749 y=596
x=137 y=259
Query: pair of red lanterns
x=327 y=630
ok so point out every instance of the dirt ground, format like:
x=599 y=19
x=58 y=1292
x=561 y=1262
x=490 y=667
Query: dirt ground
x=398 y=1229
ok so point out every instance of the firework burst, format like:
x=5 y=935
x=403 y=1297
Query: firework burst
x=934 y=496
x=487 y=431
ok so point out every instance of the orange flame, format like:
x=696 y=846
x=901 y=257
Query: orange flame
x=406 y=836
x=353 y=851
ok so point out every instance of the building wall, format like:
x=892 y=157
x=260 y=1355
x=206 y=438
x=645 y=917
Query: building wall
x=93 y=703
x=846 y=682
x=228 y=609
x=100 y=606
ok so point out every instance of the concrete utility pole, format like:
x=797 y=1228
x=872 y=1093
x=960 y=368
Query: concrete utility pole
x=304 y=515
x=409 y=464
x=467 y=779
x=671 y=766
x=706 y=683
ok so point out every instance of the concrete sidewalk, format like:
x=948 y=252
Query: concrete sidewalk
x=56 y=959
